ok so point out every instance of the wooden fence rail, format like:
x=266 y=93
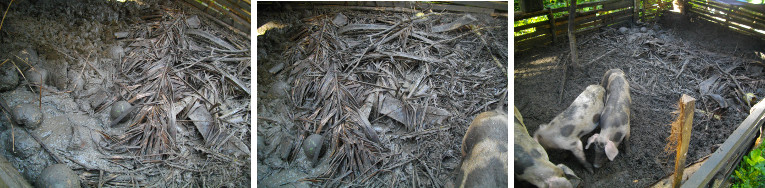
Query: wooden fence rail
x=547 y=32
x=744 y=18
x=747 y=19
x=235 y=14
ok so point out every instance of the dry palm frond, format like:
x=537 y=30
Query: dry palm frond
x=344 y=73
x=172 y=68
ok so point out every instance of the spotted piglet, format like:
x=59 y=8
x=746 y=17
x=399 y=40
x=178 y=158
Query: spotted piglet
x=484 y=152
x=580 y=118
x=615 y=119
x=531 y=162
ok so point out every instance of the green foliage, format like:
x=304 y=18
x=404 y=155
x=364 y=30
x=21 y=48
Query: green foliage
x=552 y=4
x=751 y=171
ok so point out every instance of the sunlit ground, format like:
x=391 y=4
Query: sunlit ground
x=538 y=66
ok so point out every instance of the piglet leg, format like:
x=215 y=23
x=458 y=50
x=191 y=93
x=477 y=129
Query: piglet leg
x=579 y=154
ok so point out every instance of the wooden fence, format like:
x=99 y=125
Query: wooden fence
x=234 y=14
x=744 y=18
x=602 y=13
x=491 y=8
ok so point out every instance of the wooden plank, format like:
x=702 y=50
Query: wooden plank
x=524 y=16
x=711 y=16
x=620 y=20
x=242 y=4
x=685 y=124
x=536 y=33
x=747 y=22
x=534 y=42
x=729 y=10
x=538 y=25
x=704 y=15
x=741 y=139
x=602 y=16
x=760 y=11
x=204 y=11
x=484 y=4
x=236 y=10
x=588 y=4
x=231 y=15
x=602 y=24
x=584 y=20
x=441 y=7
x=617 y=5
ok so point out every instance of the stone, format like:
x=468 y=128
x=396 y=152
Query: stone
x=28 y=115
x=120 y=35
x=27 y=56
x=118 y=108
x=276 y=68
x=340 y=20
x=58 y=176
x=623 y=30
x=20 y=144
x=312 y=147
x=194 y=22
x=9 y=78
x=116 y=52
x=36 y=76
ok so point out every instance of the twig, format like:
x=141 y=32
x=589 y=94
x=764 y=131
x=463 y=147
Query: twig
x=563 y=85
x=599 y=57
x=6 y=13
x=427 y=169
x=485 y=44
x=682 y=68
x=740 y=90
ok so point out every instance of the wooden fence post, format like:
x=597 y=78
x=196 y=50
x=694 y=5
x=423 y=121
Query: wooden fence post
x=635 y=8
x=687 y=108
x=551 y=18
x=571 y=34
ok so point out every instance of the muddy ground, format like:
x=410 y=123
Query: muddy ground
x=85 y=46
x=423 y=156
x=672 y=57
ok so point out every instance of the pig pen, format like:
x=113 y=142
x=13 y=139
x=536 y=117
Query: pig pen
x=306 y=54
x=672 y=57
x=186 y=76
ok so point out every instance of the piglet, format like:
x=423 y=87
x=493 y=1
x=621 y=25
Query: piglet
x=531 y=162
x=484 y=152
x=615 y=119
x=580 y=118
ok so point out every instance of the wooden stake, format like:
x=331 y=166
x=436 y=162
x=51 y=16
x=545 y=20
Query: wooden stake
x=687 y=106
x=551 y=18
x=571 y=34
x=635 y=10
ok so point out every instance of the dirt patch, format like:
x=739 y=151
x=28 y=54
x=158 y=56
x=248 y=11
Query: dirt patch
x=323 y=48
x=95 y=53
x=665 y=61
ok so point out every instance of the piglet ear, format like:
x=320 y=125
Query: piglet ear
x=611 y=150
x=591 y=140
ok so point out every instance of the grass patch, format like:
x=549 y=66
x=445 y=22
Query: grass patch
x=750 y=170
